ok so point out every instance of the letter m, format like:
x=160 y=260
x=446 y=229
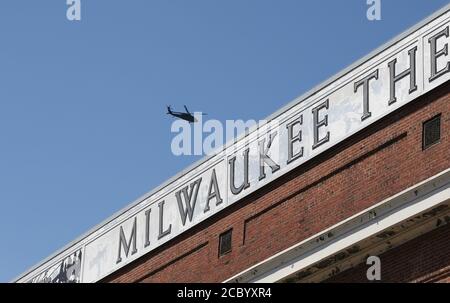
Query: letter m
x=126 y=245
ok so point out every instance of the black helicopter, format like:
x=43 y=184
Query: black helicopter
x=184 y=116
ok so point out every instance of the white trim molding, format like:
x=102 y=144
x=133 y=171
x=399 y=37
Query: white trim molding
x=389 y=223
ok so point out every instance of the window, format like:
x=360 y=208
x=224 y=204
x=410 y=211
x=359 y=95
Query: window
x=431 y=133
x=225 y=242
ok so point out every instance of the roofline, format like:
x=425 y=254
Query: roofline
x=285 y=108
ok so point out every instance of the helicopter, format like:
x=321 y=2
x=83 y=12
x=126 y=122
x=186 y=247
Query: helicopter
x=187 y=116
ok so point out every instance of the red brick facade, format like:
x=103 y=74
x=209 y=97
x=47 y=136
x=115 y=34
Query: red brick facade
x=423 y=259
x=370 y=166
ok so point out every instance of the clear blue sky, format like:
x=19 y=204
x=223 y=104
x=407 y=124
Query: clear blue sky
x=83 y=129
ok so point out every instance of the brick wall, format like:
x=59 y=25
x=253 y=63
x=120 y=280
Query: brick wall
x=423 y=259
x=372 y=165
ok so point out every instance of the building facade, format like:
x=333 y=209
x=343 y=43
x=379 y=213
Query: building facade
x=357 y=167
